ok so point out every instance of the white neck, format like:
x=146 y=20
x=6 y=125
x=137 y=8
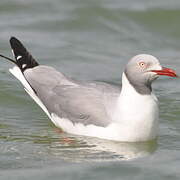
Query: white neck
x=136 y=114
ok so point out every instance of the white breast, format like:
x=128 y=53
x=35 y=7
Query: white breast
x=136 y=114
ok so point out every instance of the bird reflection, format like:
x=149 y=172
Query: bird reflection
x=81 y=148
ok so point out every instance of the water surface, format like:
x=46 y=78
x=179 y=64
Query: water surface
x=88 y=40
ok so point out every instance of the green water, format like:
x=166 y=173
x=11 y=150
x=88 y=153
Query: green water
x=88 y=40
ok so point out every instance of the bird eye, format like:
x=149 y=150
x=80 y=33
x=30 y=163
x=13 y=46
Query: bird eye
x=142 y=64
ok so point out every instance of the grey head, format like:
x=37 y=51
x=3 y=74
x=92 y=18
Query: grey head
x=139 y=72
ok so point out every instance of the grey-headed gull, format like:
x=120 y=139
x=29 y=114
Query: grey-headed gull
x=95 y=108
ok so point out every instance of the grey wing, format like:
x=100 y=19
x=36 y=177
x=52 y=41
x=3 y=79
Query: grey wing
x=81 y=105
x=77 y=102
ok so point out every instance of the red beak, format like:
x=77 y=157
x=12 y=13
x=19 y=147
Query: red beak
x=166 y=72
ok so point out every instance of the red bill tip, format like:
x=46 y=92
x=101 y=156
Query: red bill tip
x=165 y=72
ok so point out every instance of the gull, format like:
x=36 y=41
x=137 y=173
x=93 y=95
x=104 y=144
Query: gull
x=128 y=113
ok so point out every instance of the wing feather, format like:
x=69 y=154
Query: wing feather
x=80 y=103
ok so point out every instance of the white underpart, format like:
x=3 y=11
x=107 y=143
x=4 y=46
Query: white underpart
x=135 y=117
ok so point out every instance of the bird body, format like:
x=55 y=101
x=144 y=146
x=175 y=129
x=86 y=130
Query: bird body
x=128 y=124
x=93 y=108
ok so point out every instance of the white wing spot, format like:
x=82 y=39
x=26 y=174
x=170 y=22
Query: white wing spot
x=24 y=65
x=19 y=57
x=13 y=52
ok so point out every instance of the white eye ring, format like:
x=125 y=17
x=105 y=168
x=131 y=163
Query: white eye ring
x=142 y=64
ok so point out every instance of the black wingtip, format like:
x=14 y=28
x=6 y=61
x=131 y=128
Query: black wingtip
x=23 y=58
x=13 y=39
x=16 y=44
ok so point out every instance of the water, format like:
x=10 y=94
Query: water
x=88 y=40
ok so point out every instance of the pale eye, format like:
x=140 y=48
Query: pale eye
x=142 y=64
